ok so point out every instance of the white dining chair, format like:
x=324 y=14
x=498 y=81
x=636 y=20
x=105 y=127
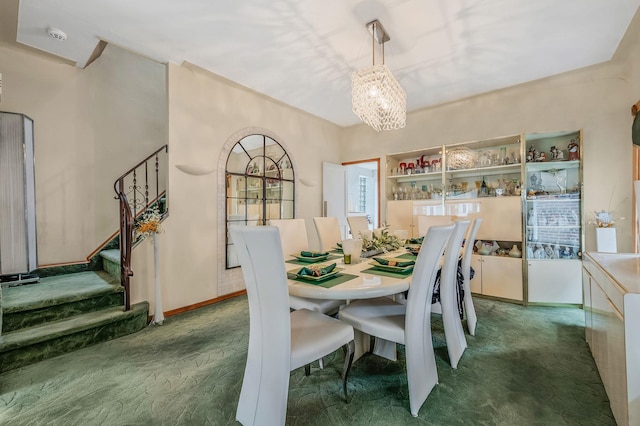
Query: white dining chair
x=328 y=230
x=427 y=221
x=453 y=331
x=469 y=308
x=359 y=225
x=280 y=341
x=409 y=324
x=293 y=237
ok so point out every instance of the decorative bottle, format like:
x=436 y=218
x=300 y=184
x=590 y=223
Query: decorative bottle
x=483 y=188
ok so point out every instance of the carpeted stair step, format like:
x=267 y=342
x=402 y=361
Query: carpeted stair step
x=29 y=345
x=59 y=297
x=111 y=261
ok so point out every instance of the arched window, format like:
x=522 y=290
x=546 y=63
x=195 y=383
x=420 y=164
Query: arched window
x=260 y=186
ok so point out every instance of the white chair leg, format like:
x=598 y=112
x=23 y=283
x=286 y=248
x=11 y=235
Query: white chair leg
x=470 y=313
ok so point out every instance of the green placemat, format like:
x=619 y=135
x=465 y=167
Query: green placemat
x=339 y=279
x=300 y=262
x=375 y=271
x=408 y=256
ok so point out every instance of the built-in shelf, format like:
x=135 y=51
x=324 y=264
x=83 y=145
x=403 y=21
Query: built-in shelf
x=485 y=171
x=545 y=166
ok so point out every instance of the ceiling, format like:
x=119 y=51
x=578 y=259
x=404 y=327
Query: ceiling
x=302 y=53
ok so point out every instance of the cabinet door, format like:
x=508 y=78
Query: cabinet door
x=476 y=282
x=586 y=292
x=555 y=281
x=608 y=348
x=502 y=277
x=502 y=219
x=400 y=216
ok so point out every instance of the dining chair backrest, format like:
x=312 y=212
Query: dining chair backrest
x=424 y=275
x=469 y=309
x=427 y=221
x=328 y=229
x=454 y=334
x=264 y=390
x=293 y=235
x=358 y=225
x=422 y=374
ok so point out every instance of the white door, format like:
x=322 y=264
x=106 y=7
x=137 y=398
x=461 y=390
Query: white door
x=334 y=193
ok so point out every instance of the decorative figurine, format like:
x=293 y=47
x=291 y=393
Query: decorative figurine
x=574 y=150
x=556 y=154
x=542 y=157
x=531 y=154
x=548 y=251
x=565 y=253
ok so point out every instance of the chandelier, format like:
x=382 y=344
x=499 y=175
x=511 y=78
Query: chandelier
x=376 y=96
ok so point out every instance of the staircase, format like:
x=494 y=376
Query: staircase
x=64 y=313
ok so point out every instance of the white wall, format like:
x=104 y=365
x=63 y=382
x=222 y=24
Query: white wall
x=594 y=99
x=207 y=115
x=91 y=126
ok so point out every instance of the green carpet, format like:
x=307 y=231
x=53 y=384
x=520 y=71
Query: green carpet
x=526 y=366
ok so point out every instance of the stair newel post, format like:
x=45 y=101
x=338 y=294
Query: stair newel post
x=126 y=241
x=158 y=313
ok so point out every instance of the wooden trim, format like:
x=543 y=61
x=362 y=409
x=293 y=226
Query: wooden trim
x=53 y=265
x=205 y=303
x=371 y=160
x=634 y=214
x=101 y=246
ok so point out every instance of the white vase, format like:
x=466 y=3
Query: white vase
x=515 y=251
x=606 y=240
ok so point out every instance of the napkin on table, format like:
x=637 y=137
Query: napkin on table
x=313 y=253
x=394 y=262
x=316 y=271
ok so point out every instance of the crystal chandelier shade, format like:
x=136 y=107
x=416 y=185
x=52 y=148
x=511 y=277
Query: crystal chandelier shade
x=377 y=97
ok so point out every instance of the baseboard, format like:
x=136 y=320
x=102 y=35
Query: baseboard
x=205 y=303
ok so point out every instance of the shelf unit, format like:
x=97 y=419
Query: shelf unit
x=553 y=220
x=454 y=188
x=514 y=184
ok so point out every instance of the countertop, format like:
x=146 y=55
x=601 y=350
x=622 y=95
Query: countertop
x=623 y=268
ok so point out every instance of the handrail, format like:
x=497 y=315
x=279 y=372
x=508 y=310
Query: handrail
x=130 y=210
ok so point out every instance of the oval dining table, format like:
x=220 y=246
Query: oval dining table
x=364 y=285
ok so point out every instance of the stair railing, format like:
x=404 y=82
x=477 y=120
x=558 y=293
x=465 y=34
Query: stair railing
x=138 y=192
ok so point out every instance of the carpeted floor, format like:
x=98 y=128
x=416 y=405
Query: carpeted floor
x=526 y=366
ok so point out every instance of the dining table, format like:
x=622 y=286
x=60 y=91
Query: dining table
x=363 y=278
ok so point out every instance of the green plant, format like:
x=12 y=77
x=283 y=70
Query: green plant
x=381 y=241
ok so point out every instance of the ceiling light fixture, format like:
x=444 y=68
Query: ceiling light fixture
x=376 y=96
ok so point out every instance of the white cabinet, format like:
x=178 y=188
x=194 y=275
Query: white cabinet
x=553 y=218
x=612 y=315
x=404 y=214
x=586 y=295
x=552 y=281
x=527 y=189
x=497 y=276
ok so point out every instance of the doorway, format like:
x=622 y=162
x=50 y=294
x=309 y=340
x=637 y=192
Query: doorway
x=352 y=189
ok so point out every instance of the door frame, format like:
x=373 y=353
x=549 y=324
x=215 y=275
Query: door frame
x=371 y=160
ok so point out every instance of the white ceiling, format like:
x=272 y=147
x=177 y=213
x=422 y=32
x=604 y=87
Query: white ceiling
x=302 y=52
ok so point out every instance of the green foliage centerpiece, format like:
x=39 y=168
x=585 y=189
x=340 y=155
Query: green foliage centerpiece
x=380 y=241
